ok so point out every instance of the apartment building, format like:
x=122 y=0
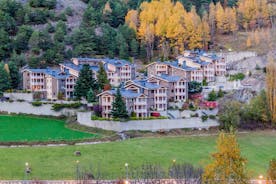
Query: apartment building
x=118 y=71
x=49 y=82
x=177 y=86
x=147 y=95
x=34 y=79
x=194 y=66
x=140 y=96
x=135 y=102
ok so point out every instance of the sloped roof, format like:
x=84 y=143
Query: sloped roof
x=125 y=93
x=145 y=84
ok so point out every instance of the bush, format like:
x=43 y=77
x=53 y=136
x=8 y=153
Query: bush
x=220 y=93
x=212 y=96
x=36 y=103
x=238 y=76
x=204 y=118
x=212 y=116
x=58 y=107
x=148 y=118
x=192 y=107
x=194 y=115
x=229 y=115
x=69 y=11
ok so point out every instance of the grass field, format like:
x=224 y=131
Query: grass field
x=24 y=128
x=60 y=162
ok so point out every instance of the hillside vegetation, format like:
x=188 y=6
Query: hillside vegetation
x=46 y=32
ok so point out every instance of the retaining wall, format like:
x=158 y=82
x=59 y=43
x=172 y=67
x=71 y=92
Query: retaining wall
x=236 y=56
x=19 y=96
x=28 y=108
x=84 y=118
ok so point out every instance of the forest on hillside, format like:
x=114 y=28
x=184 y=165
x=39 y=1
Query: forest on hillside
x=124 y=29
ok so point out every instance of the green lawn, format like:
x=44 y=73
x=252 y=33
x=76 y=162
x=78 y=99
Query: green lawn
x=24 y=128
x=60 y=162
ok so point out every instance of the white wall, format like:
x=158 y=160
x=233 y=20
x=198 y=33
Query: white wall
x=84 y=118
x=20 y=96
x=28 y=108
x=236 y=56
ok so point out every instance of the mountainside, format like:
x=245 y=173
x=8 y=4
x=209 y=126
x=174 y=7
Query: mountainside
x=44 y=33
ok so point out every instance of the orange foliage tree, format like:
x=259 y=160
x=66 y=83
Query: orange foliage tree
x=227 y=166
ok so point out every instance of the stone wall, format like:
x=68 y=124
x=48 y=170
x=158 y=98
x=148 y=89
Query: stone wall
x=236 y=56
x=84 y=118
x=28 y=108
x=20 y=96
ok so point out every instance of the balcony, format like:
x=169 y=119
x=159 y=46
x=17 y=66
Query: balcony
x=106 y=103
x=160 y=94
x=140 y=103
x=140 y=111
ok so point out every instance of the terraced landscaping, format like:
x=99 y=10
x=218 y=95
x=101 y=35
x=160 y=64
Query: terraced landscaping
x=31 y=129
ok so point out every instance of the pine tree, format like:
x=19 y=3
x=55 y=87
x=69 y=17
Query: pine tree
x=34 y=40
x=227 y=166
x=5 y=46
x=102 y=77
x=123 y=47
x=91 y=97
x=85 y=82
x=119 y=107
x=14 y=75
x=134 y=48
x=4 y=79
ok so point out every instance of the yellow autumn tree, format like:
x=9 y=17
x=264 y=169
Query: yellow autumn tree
x=254 y=13
x=164 y=9
x=107 y=9
x=263 y=13
x=176 y=28
x=212 y=19
x=231 y=16
x=219 y=17
x=132 y=20
x=248 y=11
x=256 y=38
x=205 y=30
x=271 y=87
x=193 y=26
x=248 y=42
x=226 y=19
x=271 y=172
x=6 y=67
x=146 y=31
x=227 y=166
x=167 y=25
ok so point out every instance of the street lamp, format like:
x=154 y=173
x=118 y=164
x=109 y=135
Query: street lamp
x=27 y=170
x=77 y=170
x=261 y=179
x=126 y=166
